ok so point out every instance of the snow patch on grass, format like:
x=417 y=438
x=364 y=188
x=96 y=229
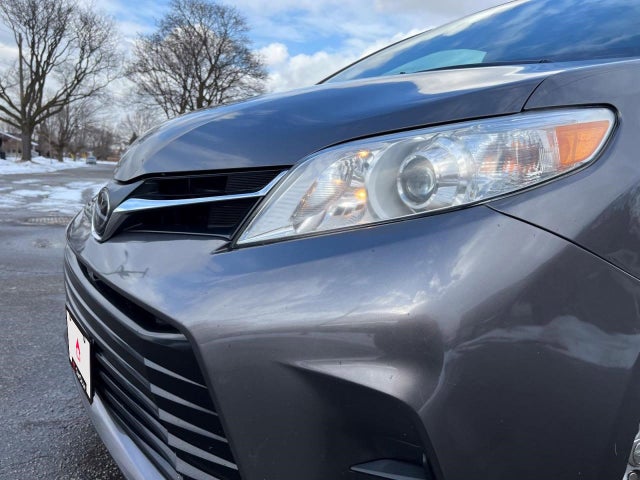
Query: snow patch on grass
x=67 y=199
x=26 y=181
x=11 y=166
x=27 y=193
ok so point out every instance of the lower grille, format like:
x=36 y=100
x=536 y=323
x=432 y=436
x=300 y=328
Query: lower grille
x=151 y=384
x=221 y=219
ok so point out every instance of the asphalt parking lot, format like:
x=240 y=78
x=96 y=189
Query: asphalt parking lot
x=44 y=431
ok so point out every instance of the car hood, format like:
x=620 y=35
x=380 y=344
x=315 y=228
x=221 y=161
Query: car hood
x=281 y=129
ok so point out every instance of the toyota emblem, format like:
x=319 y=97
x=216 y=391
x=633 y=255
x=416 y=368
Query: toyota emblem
x=101 y=210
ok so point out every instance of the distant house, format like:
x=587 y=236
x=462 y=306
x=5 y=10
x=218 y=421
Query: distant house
x=11 y=144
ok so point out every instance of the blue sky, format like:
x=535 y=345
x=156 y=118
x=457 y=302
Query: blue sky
x=302 y=41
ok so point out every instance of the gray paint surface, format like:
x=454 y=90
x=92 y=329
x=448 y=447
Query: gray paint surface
x=474 y=334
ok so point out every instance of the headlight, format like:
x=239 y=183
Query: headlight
x=428 y=170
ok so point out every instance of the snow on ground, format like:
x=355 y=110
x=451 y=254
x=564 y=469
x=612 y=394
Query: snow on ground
x=26 y=181
x=27 y=193
x=65 y=199
x=11 y=166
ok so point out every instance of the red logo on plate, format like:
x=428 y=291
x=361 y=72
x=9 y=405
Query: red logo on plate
x=77 y=349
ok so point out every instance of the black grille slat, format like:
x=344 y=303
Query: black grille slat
x=151 y=384
x=184 y=448
x=219 y=449
x=192 y=416
x=150 y=421
x=241 y=182
x=159 y=445
x=144 y=440
x=174 y=375
x=181 y=187
x=175 y=399
x=188 y=391
x=174 y=423
x=143 y=396
x=204 y=185
x=190 y=472
x=221 y=472
x=226 y=215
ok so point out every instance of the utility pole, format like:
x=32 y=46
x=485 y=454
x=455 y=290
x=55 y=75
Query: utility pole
x=26 y=144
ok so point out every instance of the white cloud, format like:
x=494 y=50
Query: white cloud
x=453 y=8
x=302 y=70
x=274 y=54
x=288 y=72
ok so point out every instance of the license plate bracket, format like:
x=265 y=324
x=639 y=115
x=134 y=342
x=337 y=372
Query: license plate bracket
x=80 y=355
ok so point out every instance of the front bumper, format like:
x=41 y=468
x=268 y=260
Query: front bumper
x=134 y=464
x=475 y=341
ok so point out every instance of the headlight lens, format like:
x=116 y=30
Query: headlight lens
x=428 y=170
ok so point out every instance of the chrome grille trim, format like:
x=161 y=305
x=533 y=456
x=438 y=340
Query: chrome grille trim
x=138 y=204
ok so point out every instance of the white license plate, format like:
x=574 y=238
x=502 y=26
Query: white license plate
x=80 y=355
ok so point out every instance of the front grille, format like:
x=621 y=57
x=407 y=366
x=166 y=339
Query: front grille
x=220 y=218
x=146 y=374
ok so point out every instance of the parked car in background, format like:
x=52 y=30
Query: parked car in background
x=91 y=160
x=425 y=268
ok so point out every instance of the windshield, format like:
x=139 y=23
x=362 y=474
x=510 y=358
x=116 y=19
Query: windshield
x=517 y=32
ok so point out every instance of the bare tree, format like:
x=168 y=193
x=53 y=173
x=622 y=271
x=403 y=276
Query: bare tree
x=101 y=141
x=66 y=53
x=70 y=123
x=138 y=122
x=200 y=56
